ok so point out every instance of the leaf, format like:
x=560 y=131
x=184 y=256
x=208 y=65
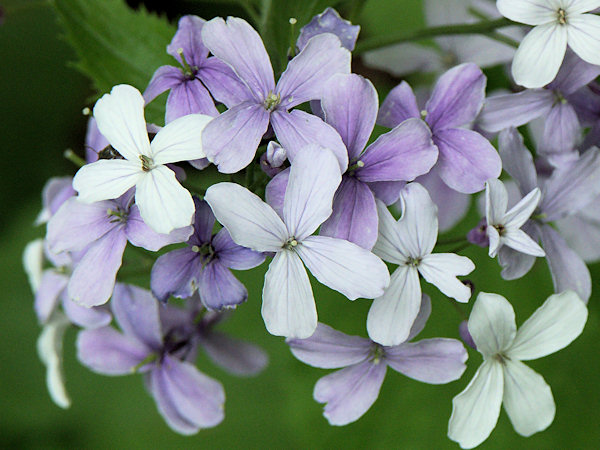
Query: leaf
x=116 y=44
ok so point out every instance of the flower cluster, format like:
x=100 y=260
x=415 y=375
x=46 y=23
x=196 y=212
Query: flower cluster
x=294 y=171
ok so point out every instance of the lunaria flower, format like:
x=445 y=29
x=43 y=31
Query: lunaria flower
x=288 y=304
x=350 y=392
x=557 y=23
x=164 y=204
x=503 y=378
x=409 y=242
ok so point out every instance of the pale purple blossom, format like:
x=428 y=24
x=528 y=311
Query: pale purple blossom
x=329 y=21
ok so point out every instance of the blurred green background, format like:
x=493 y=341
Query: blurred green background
x=41 y=99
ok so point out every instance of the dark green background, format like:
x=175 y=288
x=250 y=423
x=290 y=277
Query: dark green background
x=41 y=101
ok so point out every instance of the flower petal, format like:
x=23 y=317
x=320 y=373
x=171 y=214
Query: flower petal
x=165 y=78
x=496 y=202
x=417 y=229
x=180 y=140
x=219 y=288
x=520 y=241
x=235 y=256
x=517 y=160
x=106 y=179
x=441 y=269
x=52 y=284
x=141 y=235
x=49 y=348
x=188 y=39
x=398 y=106
x=176 y=273
x=562 y=131
x=492 y=324
x=389 y=245
x=223 y=83
x=530 y=12
x=189 y=97
x=584 y=37
x=235 y=356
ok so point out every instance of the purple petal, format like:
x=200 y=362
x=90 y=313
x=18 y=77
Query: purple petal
x=354 y=216
x=189 y=39
x=239 y=45
x=517 y=160
x=567 y=268
x=402 y=154
x=235 y=256
x=189 y=97
x=136 y=312
x=165 y=78
x=422 y=317
x=275 y=191
x=141 y=235
x=93 y=279
x=514 y=110
x=329 y=21
x=176 y=274
x=350 y=392
x=204 y=222
x=46 y=296
x=235 y=356
x=230 y=140
x=307 y=73
x=223 y=83
x=350 y=106
x=94 y=141
x=466 y=159
x=574 y=74
x=86 y=317
x=219 y=289
x=457 y=97
x=586 y=102
x=399 y=105
x=328 y=348
x=57 y=190
x=434 y=361
x=297 y=129
x=514 y=263
x=187 y=397
x=106 y=351
x=562 y=130
x=387 y=191
x=463 y=331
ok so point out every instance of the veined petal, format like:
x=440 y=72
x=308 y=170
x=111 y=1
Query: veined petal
x=398 y=106
x=530 y=12
x=475 y=410
x=350 y=392
x=514 y=264
x=417 y=229
x=189 y=97
x=86 y=317
x=223 y=83
x=314 y=178
x=180 y=140
x=51 y=285
x=496 y=202
x=422 y=317
x=141 y=235
x=392 y=315
x=520 y=213
x=233 y=255
x=520 y=241
x=188 y=38
x=583 y=6
x=441 y=269
x=328 y=348
x=584 y=37
x=527 y=399
x=492 y=324
x=540 y=55
x=219 y=289
x=553 y=326
x=344 y=266
x=350 y=105
x=250 y=221
x=176 y=273
x=165 y=78
x=562 y=130
x=164 y=204
x=288 y=307
x=517 y=160
x=306 y=74
x=389 y=245
x=120 y=118
x=106 y=179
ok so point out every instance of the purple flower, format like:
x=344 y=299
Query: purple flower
x=56 y=191
x=288 y=303
x=466 y=159
x=186 y=398
x=231 y=139
x=204 y=265
x=329 y=21
x=350 y=392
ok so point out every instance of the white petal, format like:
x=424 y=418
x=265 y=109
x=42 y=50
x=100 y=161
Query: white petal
x=288 y=307
x=180 y=140
x=106 y=179
x=494 y=238
x=521 y=242
x=520 y=213
x=33 y=260
x=540 y=55
x=496 y=201
x=164 y=204
x=388 y=237
x=527 y=399
x=314 y=178
x=344 y=266
x=475 y=410
x=492 y=324
x=531 y=12
x=553 y=326
x=583 y=6
x=441 y=269
x=49 y=347
x=250 y=221
x=120 y=118
x=584 y=37
x=418 y=227
x=392 y=315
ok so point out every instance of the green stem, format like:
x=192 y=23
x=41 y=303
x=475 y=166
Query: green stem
x=426 y=33
x=75 y=159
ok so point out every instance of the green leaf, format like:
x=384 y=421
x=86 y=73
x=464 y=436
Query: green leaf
x=116 y=44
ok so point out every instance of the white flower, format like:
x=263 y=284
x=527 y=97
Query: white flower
x=556 y=24
x=164 y=204
x=408 y=243
x=503 y=378
x=503 y=228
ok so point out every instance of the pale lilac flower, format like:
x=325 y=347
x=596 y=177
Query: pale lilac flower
x=409 y=242
x=164 y=204
x=231 y=140
x=187 y=399
x=503 y=378
x=204 y=265
x=350 y=392
x=329 y=21
x=504 y=227
x=557 y=23
x=466 y=159
x=288 y=304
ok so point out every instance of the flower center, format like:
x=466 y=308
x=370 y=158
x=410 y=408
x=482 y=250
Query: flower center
x=291 y=244
x=188 y=71
x=562 y=16
x=377 y=353
x=118 y=214
x=147 y=163
x=272 y=101
x=414 y=262
x=501 y=229
x=205 y=250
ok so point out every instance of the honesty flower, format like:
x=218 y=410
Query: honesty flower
x=288 y=304
x=502 y=378
x=557 y=23
x=164 y=204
